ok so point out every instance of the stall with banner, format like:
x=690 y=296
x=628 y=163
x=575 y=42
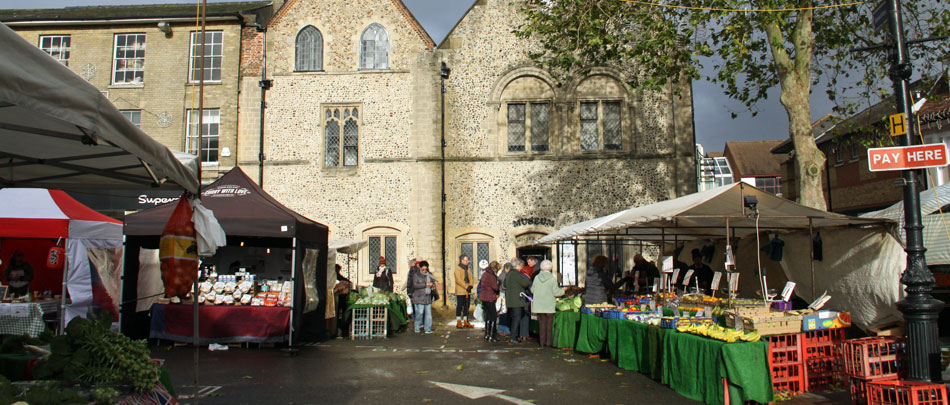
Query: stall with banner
x=66 y=245
x=267 y=285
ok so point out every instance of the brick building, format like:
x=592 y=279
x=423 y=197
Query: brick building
x=752 y=163
x=145 y=60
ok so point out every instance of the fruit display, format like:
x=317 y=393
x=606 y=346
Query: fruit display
x=717 y=332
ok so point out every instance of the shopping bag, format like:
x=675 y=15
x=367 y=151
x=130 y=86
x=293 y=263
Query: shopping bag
x=500 y=306
x=478 y=312
x=409 y=309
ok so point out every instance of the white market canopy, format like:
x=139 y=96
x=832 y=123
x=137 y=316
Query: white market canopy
x=348 y=246
x=706 y=215
x=936 y=229
x=58 y=131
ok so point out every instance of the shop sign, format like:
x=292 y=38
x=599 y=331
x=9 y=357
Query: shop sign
x=907 y=157
x=226 y=190
x=533 y=221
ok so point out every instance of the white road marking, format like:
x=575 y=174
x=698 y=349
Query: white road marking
x=203 y=391
x=473 y=392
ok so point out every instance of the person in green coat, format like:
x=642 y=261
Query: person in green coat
x=516 y=283
x=545 y=291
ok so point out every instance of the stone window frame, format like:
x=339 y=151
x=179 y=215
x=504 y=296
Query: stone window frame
x=529 y=147
x=602 y=146
x=340 y=167
x=316 y=48
x=194 y=58
x=383 y=231
x=57 y=52
x=125 y=60
x=362 y=62
x=475 y=238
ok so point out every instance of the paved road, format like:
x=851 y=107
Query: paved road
x=404 y=369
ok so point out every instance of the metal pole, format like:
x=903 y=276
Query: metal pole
x=264 y=84
x=919 y=307
x=201 y=100
x=811 y=263
x=444 y=74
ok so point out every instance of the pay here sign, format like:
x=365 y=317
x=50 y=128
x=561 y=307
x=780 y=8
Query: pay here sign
x=907 y=157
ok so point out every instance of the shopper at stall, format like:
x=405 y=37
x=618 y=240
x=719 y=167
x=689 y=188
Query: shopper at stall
x=19 y=274
x=595 y=291
x=341 y=292
x=422 y=284
x=516 y=283
x=504 y=318
x=528 y=269
x=383 y=279
x=413 y=267
x=648 y=271
x=488 y=294
x=544 y=291
x=463 y=288
x=702 y=272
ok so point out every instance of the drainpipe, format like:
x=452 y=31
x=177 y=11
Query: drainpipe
x=444 y=74
x=264 y=84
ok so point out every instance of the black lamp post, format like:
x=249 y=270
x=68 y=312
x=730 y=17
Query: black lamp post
x=444 y=74
x=919 y=307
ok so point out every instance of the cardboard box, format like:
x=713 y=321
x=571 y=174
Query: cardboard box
x=825 y=320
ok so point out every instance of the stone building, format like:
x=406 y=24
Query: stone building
x=145 y=60
x=353 y=135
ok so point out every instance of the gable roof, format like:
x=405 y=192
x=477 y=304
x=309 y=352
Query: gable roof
x=451 y=31
x=410 y=18
x=752 y=158
x=819 y=130
x=129 y=12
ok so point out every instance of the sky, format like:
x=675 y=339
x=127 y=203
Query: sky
x=714 y=125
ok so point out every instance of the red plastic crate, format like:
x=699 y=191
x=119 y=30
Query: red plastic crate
x=821 y=374
x=906 y=393
x=873 y=357
x=788 y=378
x=785 y=349
x=825 y=343
x=859 y=389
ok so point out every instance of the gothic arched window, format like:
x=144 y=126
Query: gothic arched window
x=309 y=56
x=374 y=48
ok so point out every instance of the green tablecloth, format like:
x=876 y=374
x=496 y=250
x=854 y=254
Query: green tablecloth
x=640 y=347
x=694 y=367
x=592 y=335
x=566 y=324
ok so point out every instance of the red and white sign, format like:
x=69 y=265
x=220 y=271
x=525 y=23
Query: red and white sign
x=907 y=157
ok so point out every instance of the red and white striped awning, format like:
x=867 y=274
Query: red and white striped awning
x=42 y=213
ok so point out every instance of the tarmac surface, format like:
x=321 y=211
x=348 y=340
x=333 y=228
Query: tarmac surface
x=450 y=366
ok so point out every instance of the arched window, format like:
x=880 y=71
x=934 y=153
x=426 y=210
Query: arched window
x=309 y=56
x=374 y=48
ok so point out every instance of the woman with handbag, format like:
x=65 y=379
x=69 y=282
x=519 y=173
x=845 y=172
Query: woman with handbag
x=487 y=293
x=423 y=295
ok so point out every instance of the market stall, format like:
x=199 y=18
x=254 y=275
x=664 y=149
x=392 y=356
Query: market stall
x=272 y=270
x=858 y=261
x=39 y=222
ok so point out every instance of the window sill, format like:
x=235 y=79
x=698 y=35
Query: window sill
x=340 y=171
x=206 y=82
x=127 y=86
x=310 y=71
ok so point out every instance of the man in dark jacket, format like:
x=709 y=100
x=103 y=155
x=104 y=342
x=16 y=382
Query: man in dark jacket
x=422 y=284
x=383 y=279
x=412 y=269
x=516 y=283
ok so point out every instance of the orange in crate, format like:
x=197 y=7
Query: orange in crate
x=906 y=393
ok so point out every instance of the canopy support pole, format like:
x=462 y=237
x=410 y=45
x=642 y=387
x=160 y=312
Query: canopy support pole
x=62 y=307
x=293 y=289
x=811 y=263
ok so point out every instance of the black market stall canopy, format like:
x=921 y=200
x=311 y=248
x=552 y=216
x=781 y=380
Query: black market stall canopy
x=57 y=130
x=249 y=216
x=859 y=263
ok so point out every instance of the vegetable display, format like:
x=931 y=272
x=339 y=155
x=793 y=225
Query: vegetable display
x=92 y=355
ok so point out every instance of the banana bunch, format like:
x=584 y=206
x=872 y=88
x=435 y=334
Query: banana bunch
x=719 y=333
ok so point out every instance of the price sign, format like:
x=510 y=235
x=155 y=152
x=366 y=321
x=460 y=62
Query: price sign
x=730 y=258
x=652 y=305
x=717 y=277
x=676 y=276
x=689 y=274
x=664 y=281
x=676 y=312
x=787 y=291
x=656 y=284
x=699 y=314
x=738 y=322
x=707 y=311
x=733 y=281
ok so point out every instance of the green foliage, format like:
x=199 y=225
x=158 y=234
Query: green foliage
x=93 y=355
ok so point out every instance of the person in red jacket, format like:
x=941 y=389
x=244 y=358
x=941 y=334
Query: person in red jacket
x=488 y=289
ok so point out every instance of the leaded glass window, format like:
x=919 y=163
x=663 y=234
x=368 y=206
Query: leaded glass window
x=601 y=125
x=309 y=56
x=391 y=253
x=56 y=46
x=612 y=132
x=374 y=48
x=589 y=138
x=540 y=127
x=213 y=49
x=516 y=140
x=128 y=63
x=342 y=149
x=374 y=253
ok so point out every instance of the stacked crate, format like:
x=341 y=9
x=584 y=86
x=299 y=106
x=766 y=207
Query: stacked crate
x=906 y=393
x=369 y=323
x=786 y=362
x=870 y=360
x=824 y=366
